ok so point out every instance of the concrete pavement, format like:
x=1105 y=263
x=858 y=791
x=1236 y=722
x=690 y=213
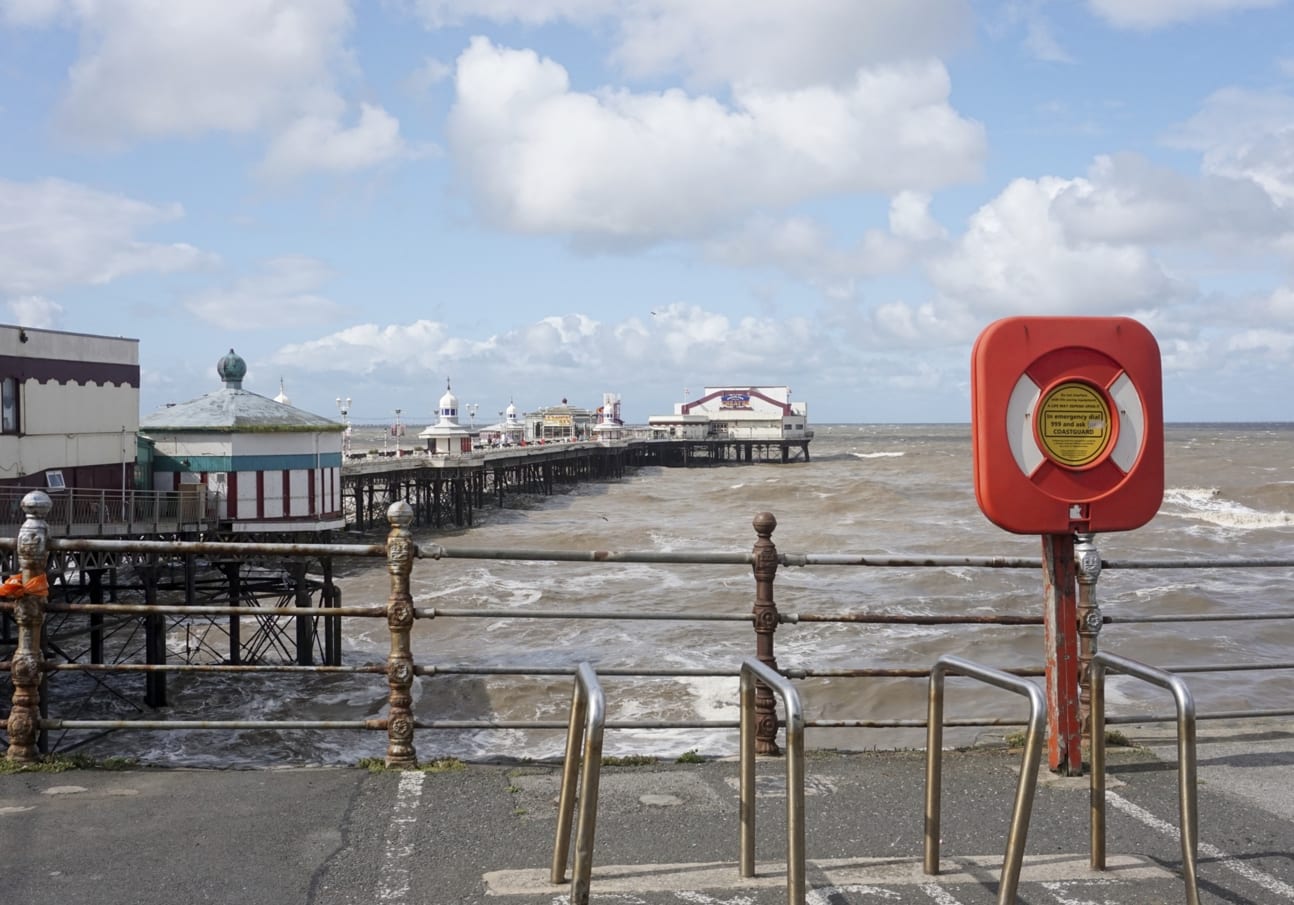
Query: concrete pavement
x=666 y=833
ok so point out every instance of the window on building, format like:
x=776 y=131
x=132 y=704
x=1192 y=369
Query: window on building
x=9 y=405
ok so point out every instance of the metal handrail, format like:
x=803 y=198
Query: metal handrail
x=1103 y=662
x=752 y=669
x=1014 y=857
x=585 y=728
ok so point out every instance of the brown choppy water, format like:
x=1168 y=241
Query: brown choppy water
x=870 y=489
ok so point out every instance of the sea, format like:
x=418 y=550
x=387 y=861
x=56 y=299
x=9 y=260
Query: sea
x=874 y=490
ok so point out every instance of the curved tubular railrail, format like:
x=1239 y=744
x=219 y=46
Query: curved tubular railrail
x=1104 y=662
x=1014 y=857
x=588 y=718
x=752 y=669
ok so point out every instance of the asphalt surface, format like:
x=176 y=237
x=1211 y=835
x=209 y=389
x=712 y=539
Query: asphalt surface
x=666 y=833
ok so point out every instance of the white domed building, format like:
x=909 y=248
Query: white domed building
x=447 y=437
x=511 y=431
x=269 y=465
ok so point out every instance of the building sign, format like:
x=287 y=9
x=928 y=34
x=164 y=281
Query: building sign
x=735 y=402
x=558 y=420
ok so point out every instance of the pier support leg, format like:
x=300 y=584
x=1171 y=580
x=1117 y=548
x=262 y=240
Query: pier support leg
x=305 y=624
x=154 y=641
x=96 y=619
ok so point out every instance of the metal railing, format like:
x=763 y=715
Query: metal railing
x=583 y=746
x=1020 y=812
x=752 y=670
x=111 y=512
x=28 y=666
x=1106 y=662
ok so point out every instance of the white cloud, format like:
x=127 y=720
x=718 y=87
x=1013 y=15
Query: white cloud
x=273 y=68
x=150 y=70
x=752 y=43
x=1148 y=14
x=676 y=339
x=1245 y=135
x=1275 y=344
x=35 y=311
x=319 y=143
x=910 y=218
x=1016 y=258
x=55 y=234
x=30 y=12
x=1125 y=198
x=283 y=294
x=646 y=167
x=771 y=44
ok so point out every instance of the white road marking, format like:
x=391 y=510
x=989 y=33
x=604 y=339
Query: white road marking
x=393 y=886
x=940 y=895
x=1266 y=881
x=837 y=872
x=1061 y=891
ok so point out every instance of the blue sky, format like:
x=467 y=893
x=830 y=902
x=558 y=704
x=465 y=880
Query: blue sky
x=548 y=199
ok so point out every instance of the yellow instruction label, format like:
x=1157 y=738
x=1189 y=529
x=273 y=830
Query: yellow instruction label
x=1074 y=424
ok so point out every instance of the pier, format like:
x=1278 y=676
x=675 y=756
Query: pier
x=445 y=491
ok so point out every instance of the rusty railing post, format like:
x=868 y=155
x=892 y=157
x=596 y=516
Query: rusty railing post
x=1088 y=565
x=765 y=568
x=399 y=619
x=29 y=593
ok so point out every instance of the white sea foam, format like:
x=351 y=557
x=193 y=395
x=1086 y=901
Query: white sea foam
x=879 y=455
x=1206 y=504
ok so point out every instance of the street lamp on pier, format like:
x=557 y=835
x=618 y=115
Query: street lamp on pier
x=343 y=406
x=398 y=429
x=472 y=409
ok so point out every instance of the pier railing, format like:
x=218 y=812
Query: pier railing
x=25 y=602
x=77 y=511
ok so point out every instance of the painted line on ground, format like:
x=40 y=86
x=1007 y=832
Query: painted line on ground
x=837 y=872
x=394 y=882
x=1265 y=880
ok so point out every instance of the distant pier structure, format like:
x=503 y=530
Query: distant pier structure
x=735 y=423
x=460 y=471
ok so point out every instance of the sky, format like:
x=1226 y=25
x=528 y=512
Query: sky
x=538 y=200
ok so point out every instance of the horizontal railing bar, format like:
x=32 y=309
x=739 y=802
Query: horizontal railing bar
x=790 y=672
x=563 y=725
x=229 y=548
x=57 y=725
x=1201 y=617
x=1197 y=564
x=180 y=609
x=373 y=668
x=1217 y=715
x=916 y=672
x=907 y=561
x=712 y=557
x=380 y=725
x=784 y=618
x=437 y=613
x=907 y=619
x=1227 y=667
x=603 y=672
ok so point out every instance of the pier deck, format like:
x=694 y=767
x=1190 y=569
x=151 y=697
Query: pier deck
x=665 y=833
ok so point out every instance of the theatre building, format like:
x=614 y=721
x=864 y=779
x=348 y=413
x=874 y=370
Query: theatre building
x=736 y=413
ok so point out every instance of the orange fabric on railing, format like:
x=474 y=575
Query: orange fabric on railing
x=14 y=586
